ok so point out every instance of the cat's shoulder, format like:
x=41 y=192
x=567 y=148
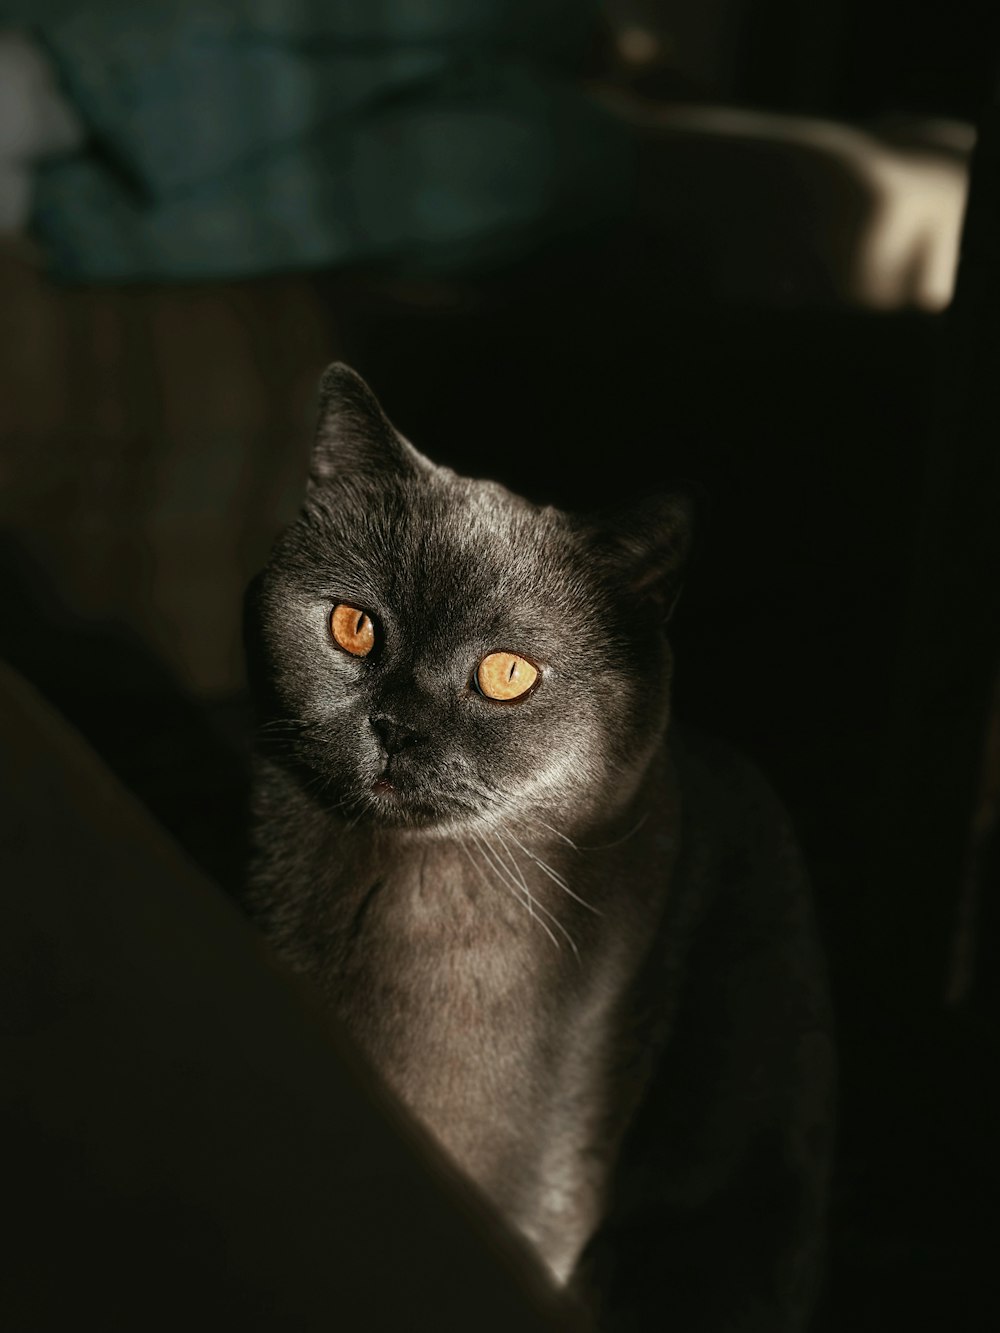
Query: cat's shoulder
x=735 y=827
x=718 y=774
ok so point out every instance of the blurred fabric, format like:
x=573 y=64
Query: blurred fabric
x=234 y=139
x=36 y=121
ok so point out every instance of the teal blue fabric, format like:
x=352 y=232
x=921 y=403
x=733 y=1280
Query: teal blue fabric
x=227 y=139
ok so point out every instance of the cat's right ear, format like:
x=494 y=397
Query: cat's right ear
x=353 y=434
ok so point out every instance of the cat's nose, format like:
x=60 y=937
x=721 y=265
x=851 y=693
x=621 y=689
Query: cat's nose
x=393 y=734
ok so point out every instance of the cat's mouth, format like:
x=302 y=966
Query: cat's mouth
x=394 y=801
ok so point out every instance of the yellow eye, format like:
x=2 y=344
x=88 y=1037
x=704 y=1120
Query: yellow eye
x=352 y=629
x=505 y=676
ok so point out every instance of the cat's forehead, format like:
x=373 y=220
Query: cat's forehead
x=450 y=544
x=478 y=539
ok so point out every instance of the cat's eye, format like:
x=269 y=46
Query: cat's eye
x=505 y=676
x=352 y=629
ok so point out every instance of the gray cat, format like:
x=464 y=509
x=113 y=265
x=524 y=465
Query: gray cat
x=574 y=941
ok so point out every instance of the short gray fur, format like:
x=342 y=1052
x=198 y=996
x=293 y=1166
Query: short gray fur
x=519 y=909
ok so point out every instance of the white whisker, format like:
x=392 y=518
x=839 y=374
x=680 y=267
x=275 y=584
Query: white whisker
x=520 y=877
x=534 y=901
x=509 y=884
x=562 y=836
x=554 y=876
x=603 y=846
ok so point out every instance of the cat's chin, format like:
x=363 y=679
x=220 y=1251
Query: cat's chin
x=387 y=805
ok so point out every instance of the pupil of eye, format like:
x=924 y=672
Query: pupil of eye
x=510 y=673
x=361 y=621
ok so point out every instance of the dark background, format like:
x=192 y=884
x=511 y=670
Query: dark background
x=840 y=620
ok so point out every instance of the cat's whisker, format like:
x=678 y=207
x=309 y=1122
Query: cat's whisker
x=507 y=801
x=491 y=858
x=496 y=796
x=535 y=822
x=318 y=784
x=521 y=880
x=475 y=865
x=509 y=885
x=512 y=887
x=534 y=901
x=617 y=842
x=561 y=836
x=282 y=727
x=554 y=875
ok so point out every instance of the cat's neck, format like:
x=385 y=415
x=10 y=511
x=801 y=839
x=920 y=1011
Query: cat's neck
x=490 y=977
x=550 y=896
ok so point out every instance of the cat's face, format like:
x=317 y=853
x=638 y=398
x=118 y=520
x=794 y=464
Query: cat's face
x=436 y=654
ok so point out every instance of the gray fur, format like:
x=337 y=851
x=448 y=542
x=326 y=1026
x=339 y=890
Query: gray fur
x=493 y=930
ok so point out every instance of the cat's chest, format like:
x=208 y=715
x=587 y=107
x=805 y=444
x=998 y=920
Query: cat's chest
x=497 y=1038
x=435 y=976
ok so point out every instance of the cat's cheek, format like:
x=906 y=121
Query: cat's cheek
x=337 y=683
x=554 y=772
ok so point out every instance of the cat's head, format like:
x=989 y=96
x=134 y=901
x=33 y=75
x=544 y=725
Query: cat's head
x=435 y=653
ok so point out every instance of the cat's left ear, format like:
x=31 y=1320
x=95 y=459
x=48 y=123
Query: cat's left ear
x=353 y=433
x=646 y=548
